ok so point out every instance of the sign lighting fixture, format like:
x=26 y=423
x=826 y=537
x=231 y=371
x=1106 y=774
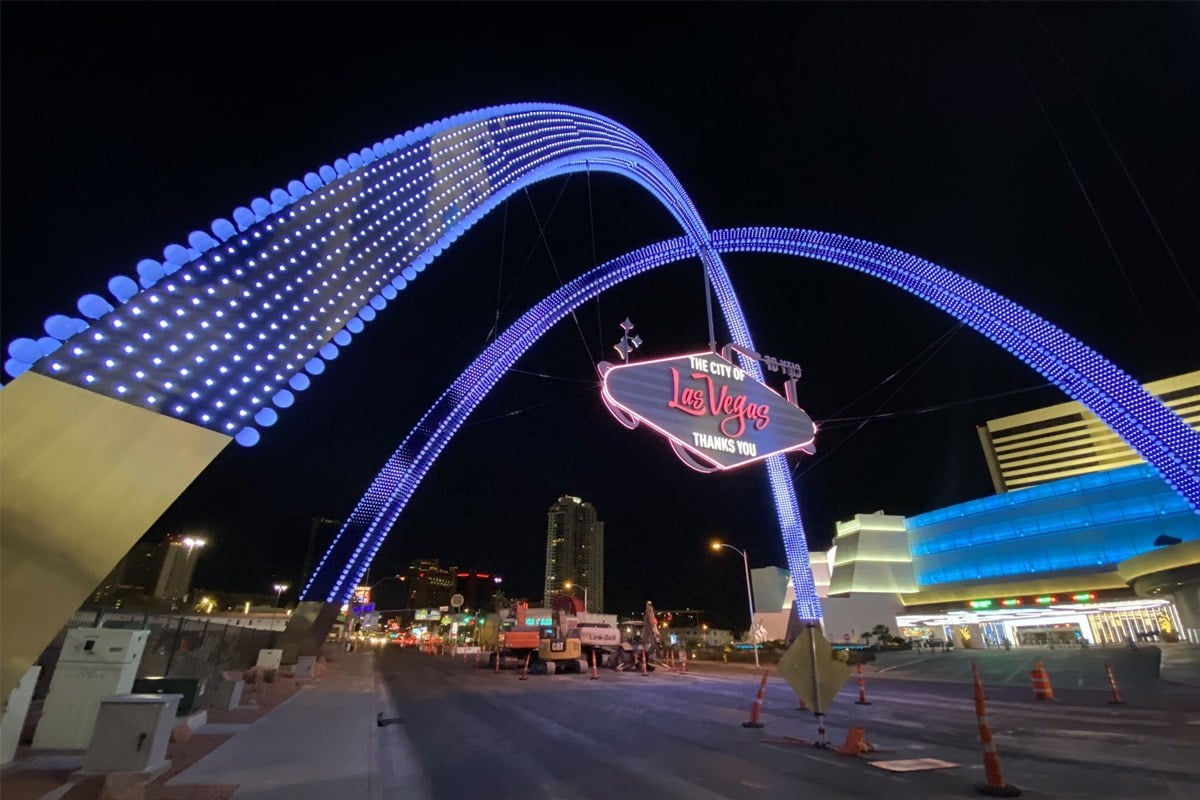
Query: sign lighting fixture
x=1012 y=601
x=1085 y=597
x=980 y=604
x=715 y=414
x=1046 y=600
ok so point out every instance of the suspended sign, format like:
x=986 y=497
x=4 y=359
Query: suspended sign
x=715 y=414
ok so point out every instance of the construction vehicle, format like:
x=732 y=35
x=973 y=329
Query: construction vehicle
x=561 y=638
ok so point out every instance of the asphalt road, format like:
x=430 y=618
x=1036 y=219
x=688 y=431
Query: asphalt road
x=468 y=732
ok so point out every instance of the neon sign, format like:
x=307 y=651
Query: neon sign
x=714 y=413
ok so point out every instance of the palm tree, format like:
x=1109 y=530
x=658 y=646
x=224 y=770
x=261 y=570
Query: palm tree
x=882 y=635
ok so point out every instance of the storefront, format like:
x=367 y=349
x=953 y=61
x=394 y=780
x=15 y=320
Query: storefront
x=1103 y=623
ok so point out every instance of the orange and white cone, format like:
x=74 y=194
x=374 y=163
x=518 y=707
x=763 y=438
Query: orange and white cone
x=683 y=661
x=756 y=709
x=995 y=786
x=862 y=690
x=1042 y=690
x=595 y=674
x=1112 y=681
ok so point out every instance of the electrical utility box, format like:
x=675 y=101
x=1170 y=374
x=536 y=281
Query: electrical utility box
x=131 y=734
x=94 y=664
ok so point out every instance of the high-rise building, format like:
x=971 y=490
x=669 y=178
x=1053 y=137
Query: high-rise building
x=476 y=587
x=1066 y=439
x=160 y=569
x=429 y=584
x=575 y=552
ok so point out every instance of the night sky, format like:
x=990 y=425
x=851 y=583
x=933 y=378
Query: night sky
x=1019 y=145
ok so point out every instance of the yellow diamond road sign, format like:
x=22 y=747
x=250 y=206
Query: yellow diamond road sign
x=806 y=674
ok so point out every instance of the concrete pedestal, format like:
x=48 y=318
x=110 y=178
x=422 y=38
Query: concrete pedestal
x=16 y=708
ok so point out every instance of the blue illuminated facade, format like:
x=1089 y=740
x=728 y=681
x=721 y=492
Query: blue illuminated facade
x=225 y=330
x=1086 y=524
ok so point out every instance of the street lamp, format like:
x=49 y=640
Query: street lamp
x=569 y=586
x=192 y=543
x=749 y=595
x=280 y=588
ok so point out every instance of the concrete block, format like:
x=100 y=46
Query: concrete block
x=306 y=667
x=227 y=695
x=16 y=709
x=269 y=659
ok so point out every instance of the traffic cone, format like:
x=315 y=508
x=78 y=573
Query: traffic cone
x=683 y=661
x=1112 y=681
x=995 y=786
x=1042 y=690
x=595 y=674
x=671 y=660
x=862 y=691
x=497 y=658
x=645 y=672
x=756 y=709
x=525 y=670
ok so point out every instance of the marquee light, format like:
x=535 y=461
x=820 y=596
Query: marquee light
x=714 y=415
x=1085 y=597
x=1046 y=600
x=977 y=604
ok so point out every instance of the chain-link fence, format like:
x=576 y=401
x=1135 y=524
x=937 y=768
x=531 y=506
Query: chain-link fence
x=178 y=646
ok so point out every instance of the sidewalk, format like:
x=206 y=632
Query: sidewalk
x=303 y=740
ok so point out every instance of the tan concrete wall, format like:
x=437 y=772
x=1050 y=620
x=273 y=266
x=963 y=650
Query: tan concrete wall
x=82 y=477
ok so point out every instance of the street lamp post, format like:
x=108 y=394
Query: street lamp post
x=280 y=588
x=570 y=586
x=749 y=594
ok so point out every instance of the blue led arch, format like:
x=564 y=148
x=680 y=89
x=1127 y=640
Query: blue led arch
x=1157 y=432
x=224 y=326
x=225 y=329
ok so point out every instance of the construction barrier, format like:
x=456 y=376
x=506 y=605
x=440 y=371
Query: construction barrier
x=856 y=743
x=862 y=690
x=995 y=786
x=595 y=674
x=1112 y=681
x=525 y=669
x=756 y=709
x=1042 y=690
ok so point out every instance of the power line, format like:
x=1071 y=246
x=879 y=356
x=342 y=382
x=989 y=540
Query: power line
x=557 y=274
x=835 y=422
x=1116 y=155
x=525 y=409
x=942 y=342
x=1071 y=165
